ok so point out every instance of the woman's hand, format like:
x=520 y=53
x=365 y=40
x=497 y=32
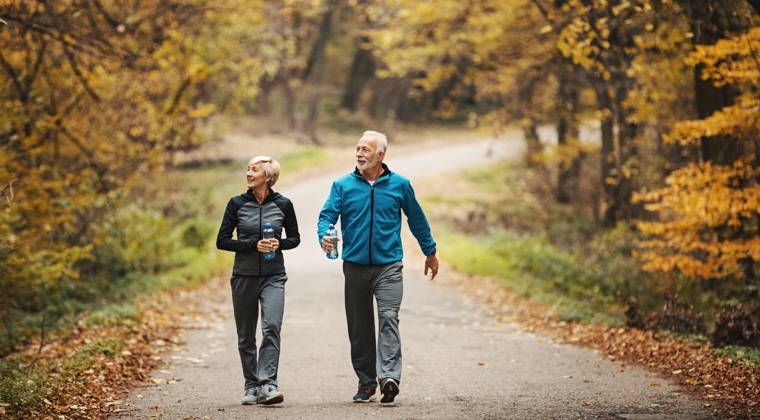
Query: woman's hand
x=268 y=245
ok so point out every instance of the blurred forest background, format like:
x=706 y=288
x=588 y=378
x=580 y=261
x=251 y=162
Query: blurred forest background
x=637 y=199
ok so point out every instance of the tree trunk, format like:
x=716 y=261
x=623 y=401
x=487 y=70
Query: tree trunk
x=609 y=176
x=317 y=65
x=709 y=23
x=721 y=150
x=290 y=104
x=532 y=140
x=362 y=69
x=628 y=158
x=262 y=99
x=528 y=121
x=567 y=133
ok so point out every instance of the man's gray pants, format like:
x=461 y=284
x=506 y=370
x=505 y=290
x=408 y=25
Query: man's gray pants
x=385 y=284
x=247 y=293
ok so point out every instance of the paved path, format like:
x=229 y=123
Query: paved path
x=458 y=364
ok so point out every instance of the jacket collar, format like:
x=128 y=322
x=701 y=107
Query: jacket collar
x=386 y=171
x=271 y=196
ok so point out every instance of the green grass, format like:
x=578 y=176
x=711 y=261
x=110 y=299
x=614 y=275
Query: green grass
x=304 y=157
x=546 y=252
x=536 y=270
x=742 y=355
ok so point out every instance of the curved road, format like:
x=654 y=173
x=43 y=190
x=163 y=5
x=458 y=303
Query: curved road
x=458 y=363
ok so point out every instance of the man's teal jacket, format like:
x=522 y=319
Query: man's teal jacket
x=370 y=217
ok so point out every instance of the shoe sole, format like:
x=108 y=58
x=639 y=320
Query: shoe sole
x=273 y=400
x=250 y=402
x=390 y=390
x=372 y=398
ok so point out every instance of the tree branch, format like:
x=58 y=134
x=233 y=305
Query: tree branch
x=13 y=76
x=37 y=65
x=80 y=76
x=9 y=188
x=111 y=21
x=177 y=96
x=87 y=154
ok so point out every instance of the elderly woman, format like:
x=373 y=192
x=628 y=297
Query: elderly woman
x=257 y=279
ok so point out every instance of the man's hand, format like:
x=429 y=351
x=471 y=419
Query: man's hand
x=431 y=264
x=329 y=243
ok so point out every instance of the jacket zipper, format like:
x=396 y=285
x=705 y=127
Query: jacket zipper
x=371 y=218
x=261 y=235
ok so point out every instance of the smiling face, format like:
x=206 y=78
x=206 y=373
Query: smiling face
x=256 y=177
x=367 y=155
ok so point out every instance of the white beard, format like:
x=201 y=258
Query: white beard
x=369 y=165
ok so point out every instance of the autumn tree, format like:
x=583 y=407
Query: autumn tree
x=96 y=96
x=467 y=54
x=709 y=212
x=711 y=21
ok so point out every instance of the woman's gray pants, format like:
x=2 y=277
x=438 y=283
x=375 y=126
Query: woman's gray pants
x=385 y=284
x=247 y=293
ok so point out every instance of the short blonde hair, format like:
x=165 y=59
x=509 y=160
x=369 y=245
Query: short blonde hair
x=271 y=168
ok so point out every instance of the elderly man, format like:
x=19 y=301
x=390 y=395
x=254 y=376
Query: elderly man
x=369 y=203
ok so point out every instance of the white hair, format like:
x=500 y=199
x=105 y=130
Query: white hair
x=382 y=139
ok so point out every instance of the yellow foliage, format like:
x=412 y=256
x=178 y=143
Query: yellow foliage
x=709 y=214
x=432 y=39
x=92 y=106
x=712 y=214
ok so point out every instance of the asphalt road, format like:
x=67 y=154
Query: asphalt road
x=458 y=363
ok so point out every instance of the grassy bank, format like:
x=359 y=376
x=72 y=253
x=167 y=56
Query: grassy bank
x=547 y=267
x=495 y=221
x=502 y=222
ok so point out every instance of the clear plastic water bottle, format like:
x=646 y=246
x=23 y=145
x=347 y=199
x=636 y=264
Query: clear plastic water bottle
x=268 y=233
x=333 y=233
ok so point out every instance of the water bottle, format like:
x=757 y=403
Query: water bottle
x=268 y=234
x=332 y=233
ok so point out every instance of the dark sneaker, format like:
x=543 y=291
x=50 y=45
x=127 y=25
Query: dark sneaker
x=251 y=396
x=268 y=395
x=364 y=395
x=389 y=389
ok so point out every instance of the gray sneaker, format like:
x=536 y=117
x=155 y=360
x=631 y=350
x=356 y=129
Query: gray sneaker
x=268 y=394
x=251 y=396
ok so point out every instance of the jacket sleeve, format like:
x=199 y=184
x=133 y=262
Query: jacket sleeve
x=290 y=223
x=418 y=223
x=224 y=239
x=330 y=211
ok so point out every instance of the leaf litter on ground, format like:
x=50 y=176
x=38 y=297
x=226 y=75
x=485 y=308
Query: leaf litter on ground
x=726 y=386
